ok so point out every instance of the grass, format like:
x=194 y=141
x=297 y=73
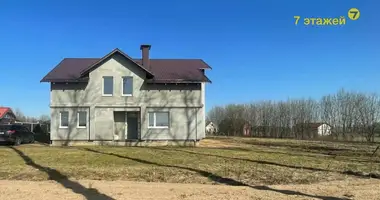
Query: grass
x=228 y=160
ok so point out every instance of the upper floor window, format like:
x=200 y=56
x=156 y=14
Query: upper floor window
x=127 y=86
x=107 y=85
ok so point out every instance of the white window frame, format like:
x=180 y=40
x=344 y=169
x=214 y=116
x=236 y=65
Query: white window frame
x=122 y=86
x=113 y=84
x=78 y=119
x=154 y=120
x=60 y=119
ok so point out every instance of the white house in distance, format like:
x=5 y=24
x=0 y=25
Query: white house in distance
x=322 y=129
x=211 y=129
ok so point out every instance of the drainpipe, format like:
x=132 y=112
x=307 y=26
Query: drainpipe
x=196 y=127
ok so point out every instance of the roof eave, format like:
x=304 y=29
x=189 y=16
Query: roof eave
x=207 y=66
x=82 y=80
x=176 y=81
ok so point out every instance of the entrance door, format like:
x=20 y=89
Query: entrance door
x=131 y=129
x=119 y=118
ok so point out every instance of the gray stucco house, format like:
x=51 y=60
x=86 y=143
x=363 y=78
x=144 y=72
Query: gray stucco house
x=121 y=100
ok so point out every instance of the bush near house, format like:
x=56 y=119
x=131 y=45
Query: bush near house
x=41 y=134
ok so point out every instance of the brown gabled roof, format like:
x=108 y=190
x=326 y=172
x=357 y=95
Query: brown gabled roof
x=160 y=70
x=177 y=70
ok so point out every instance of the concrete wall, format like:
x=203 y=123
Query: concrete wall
x=104 y=124
x=184 y=101
x=72 y=132
x=184 y=124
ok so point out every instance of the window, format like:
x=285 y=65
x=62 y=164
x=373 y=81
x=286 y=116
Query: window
x=107 y=85
x=64 y=119
x=82 y=119
x=127 y=86
x=158 y=119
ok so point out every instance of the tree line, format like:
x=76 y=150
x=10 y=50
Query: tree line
x=351 y=115
x=21 y=117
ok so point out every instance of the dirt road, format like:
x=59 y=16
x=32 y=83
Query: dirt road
x=107 y=190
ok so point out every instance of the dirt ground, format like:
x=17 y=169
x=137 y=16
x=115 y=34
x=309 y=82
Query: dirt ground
x=107 y=190
x=211 y=143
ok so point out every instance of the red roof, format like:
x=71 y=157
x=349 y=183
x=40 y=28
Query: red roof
x=4 y=110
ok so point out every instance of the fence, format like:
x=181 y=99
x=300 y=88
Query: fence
x=41 y=130
x=36 y=127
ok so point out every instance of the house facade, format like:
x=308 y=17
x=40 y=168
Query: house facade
x=7 y=116
x=120 y=99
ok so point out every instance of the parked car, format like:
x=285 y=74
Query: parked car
x=16 y=134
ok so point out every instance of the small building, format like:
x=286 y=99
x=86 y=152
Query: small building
x=321 y=129
x=7 y=116
x=211 y=129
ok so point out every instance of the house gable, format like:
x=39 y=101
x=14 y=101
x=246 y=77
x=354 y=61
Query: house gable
x=6 y=115
x=118 y=67
x=115 y=53
x=6 y=112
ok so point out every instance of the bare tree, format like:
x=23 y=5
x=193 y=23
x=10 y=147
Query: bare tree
x=369 y=115
x=44 y=118
x=19 y=114
x=349 y=113
x=216 y=115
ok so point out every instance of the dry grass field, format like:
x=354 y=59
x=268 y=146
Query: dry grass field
x=231 y=161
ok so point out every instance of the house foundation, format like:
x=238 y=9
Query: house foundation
x=132 y=143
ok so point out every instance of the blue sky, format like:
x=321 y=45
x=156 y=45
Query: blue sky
x=254 y=47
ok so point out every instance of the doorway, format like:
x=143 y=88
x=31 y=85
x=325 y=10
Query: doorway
x=131 y=125
x=119 y=124
x=126 y=125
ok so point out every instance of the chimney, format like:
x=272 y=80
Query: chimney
x=145 y=55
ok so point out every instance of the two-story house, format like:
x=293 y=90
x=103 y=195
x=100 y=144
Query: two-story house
x=120 y=100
